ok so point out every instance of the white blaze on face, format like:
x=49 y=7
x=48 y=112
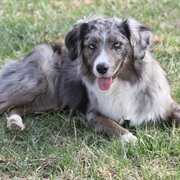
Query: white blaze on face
x=101 y=59
x=104 y=83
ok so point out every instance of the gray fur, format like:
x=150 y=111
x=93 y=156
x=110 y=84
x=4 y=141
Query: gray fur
x=50 y=78
x=43 y=80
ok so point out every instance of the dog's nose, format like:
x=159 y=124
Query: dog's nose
x=102 y=68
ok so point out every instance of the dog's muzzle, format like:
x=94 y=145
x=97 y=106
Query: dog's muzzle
x=104 y=83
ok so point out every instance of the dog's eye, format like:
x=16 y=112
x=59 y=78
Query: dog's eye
x=117 y=45
x=92 y=46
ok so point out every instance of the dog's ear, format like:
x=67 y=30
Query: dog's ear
x=74 y=39
x=138 y=35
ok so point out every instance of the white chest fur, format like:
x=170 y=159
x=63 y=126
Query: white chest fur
x=114 y=102
x=121 y=103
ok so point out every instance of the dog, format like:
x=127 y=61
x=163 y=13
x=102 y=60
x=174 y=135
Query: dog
x=104 y=70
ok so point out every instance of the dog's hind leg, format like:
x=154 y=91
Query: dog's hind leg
x=20 y=106
x=14 y=121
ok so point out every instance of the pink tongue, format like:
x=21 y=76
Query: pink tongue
x=104 y=83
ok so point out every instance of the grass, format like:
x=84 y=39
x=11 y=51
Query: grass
x=50 y=148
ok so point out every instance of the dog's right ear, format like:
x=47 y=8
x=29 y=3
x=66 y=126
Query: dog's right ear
x=74 y=39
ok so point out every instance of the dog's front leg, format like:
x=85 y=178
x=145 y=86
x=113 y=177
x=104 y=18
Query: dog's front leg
x=109 y=127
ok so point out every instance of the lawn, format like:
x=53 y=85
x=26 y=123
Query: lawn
x=52 y=148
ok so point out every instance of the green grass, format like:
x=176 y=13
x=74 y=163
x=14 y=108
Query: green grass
x=50 y=147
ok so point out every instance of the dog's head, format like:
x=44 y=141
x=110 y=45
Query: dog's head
x=104 y=44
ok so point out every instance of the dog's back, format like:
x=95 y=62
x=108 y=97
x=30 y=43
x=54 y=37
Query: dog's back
x=43 y=80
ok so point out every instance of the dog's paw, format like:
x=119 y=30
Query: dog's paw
x=14 y=122
x=129 y=138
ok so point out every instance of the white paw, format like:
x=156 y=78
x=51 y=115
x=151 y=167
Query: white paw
x=15 y=122
x=129 y=138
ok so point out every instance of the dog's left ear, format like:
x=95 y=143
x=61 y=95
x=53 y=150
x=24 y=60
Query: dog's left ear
x=74 y=39
x=138 y=35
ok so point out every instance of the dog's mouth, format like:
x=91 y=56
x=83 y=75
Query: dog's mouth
x=104 y=83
